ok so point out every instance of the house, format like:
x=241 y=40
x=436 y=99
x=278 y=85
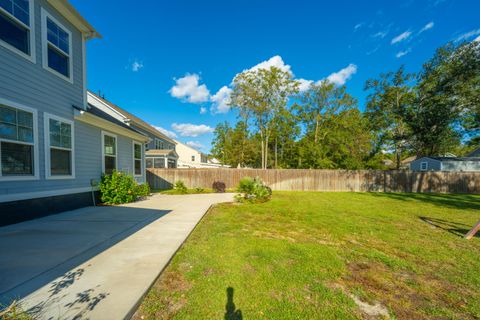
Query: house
x=54 y=146
x=159 y=150
x=189 y=157
x=445 y=164
x=474 y=154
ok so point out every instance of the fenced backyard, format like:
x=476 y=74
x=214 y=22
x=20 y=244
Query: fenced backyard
x=323 y=180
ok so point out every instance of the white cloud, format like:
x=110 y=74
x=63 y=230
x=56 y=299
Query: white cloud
x=380 y=34
x=221 y=100
x=477 y=39
x=191 y=130
x=136 y=65
x=468 y=35
x=304 y=84
x=189 y=89
x=339 y=78
x=166 y=132
x=275 y=61
x=401 y=37
x=195 y=145
x=203 y=110
x=403 y=53
x=428 y=26
x=358 y=26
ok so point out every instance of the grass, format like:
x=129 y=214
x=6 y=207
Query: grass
x=312 y=255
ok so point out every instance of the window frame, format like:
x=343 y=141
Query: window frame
x=45 y=14
x=32 y=57
x=106 y=133
x=426 y=165
x=134 y=143
x=160 y=143
x=35 y=148
x=46 y=129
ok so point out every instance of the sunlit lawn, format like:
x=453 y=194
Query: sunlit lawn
x=310 y=255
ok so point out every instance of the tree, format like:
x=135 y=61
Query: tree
x=263 y=93
x=391 y=95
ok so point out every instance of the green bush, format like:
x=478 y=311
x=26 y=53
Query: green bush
x=180 y=187
x=199 y=190
x=120 y=188
x=253 y=190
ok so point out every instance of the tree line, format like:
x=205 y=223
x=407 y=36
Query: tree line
x=429 y=113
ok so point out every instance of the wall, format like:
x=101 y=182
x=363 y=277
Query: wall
x=324 y=180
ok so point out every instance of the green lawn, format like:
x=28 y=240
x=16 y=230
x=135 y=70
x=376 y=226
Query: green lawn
x=326 y=256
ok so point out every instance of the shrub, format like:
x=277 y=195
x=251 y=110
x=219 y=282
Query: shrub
x=120 y=188
x=199 y=190
x=253 y=190
x=180 y=187
x=219 y=187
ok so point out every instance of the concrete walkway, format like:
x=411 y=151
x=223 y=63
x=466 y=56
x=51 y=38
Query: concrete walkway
x=96 y=262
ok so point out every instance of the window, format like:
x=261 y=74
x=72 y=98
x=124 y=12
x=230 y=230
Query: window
x=172 y=163
x=59 y=147
x=204 y=158
x=137 y=159
x=57 y=47
x=424 y=166
x=16 y=26
x=18 y=139
x=109 y=152
x=159 y=163
x=193 y=158
x=159 y=144
x=149 y=162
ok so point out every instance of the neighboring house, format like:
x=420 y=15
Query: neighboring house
x=445 y=164
x=474 y=154
x=54 y=147
x=159 y=150
x=189 y=157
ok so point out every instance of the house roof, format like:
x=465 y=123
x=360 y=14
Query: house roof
x=161 y=152
x=474 y=153
x=133 y=118
x=71 y=14
x=453 y=158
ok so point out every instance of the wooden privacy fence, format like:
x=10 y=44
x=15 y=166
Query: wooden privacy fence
x=323 y=180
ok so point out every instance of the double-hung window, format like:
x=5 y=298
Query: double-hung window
x=59 y=148
x=18 y=141
x=16 y=26
x=423 y=166
x=159 y=144
x=57 y=47
x=109 y=145
x=137 y=158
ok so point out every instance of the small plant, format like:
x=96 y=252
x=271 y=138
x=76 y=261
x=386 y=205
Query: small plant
x=253 y=190
x=219 y=187
x=14 y=312
x=120 y=188
x=199 y=190
x=180 y=187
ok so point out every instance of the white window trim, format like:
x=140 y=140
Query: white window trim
x=46 y=129
x=36 y=166
x=32 y=57
x=46 y=15
x=421 y=166
x=141 y=158
x=106 y=133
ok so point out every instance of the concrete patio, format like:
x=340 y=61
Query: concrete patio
x=96 y=262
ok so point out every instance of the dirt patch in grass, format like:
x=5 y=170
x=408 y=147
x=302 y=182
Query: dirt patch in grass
x=159 y=306
x=407 y=294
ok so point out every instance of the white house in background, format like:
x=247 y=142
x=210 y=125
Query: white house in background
x=189 y=157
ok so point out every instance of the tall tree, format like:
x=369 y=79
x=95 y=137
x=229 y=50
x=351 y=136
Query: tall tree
x=390 y=96
x=448 y=99
x=263 y=93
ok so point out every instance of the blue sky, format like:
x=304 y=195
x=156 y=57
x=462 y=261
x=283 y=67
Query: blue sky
x=171 y=62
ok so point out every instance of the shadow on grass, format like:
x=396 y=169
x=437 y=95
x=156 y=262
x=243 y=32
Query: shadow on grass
x=457 y=228
x=231 y=311
x=454 y=201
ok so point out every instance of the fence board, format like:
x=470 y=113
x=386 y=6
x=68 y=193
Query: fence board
x=323 y=180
